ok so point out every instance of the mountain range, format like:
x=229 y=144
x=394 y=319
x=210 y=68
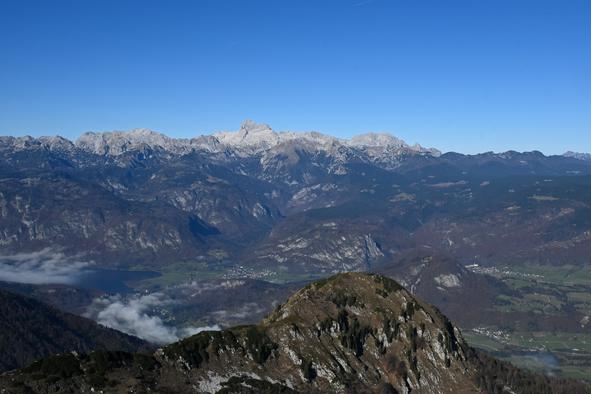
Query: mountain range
x=232 y=222
x=122 y=198
x=250 y=139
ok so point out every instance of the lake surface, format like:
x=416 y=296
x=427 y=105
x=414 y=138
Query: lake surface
x=112 y=281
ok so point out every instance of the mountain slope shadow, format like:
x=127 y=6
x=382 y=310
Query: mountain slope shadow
x=30 y=330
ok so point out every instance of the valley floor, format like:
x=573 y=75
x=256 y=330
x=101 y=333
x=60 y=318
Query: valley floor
x=551 y=292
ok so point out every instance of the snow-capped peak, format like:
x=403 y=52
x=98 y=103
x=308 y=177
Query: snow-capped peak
x=578 y=155
x=375 y=140
x=251 y=134
x=385 y=144
x=117 y=142
x=252 y=127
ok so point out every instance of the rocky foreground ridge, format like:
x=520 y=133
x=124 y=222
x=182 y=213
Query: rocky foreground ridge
x=349 y=333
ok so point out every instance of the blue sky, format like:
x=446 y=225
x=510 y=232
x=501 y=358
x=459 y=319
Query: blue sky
x=466 y=76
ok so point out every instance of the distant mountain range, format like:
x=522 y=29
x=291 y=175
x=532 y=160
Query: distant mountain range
x=350 y=333
x=251 y=139
x=291 y=201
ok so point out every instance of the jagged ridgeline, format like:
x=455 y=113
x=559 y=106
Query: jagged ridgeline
x=351 y=333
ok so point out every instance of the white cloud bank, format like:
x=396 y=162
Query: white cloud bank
x=134 y=316
x=46 y=266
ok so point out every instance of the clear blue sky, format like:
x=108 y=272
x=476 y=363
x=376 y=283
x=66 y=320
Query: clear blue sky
x=469 y=76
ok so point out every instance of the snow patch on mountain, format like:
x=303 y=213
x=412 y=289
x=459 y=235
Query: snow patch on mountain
x=578 y=155
x=375 y=140
x=117 y=142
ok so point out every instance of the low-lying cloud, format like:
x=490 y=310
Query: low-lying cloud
x=46 y=266
x=195 y=288
x=242 y=312
x=137 y=315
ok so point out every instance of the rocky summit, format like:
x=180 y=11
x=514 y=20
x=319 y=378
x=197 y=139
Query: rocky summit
x=351 y=333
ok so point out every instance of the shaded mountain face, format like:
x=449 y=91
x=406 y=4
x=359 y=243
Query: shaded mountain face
x=349 y=333
x=301 y=203
x=466 y=297
x=32 y=330
x=474 y=300
x=63 y=297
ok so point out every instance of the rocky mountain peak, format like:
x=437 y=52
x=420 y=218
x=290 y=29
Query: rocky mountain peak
x=54 y=143
x=375 y=140
x=578 y=155
x=118 y=142
x=381 y=333
x=250 y=126
x=383 y=145
x=250 y=135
